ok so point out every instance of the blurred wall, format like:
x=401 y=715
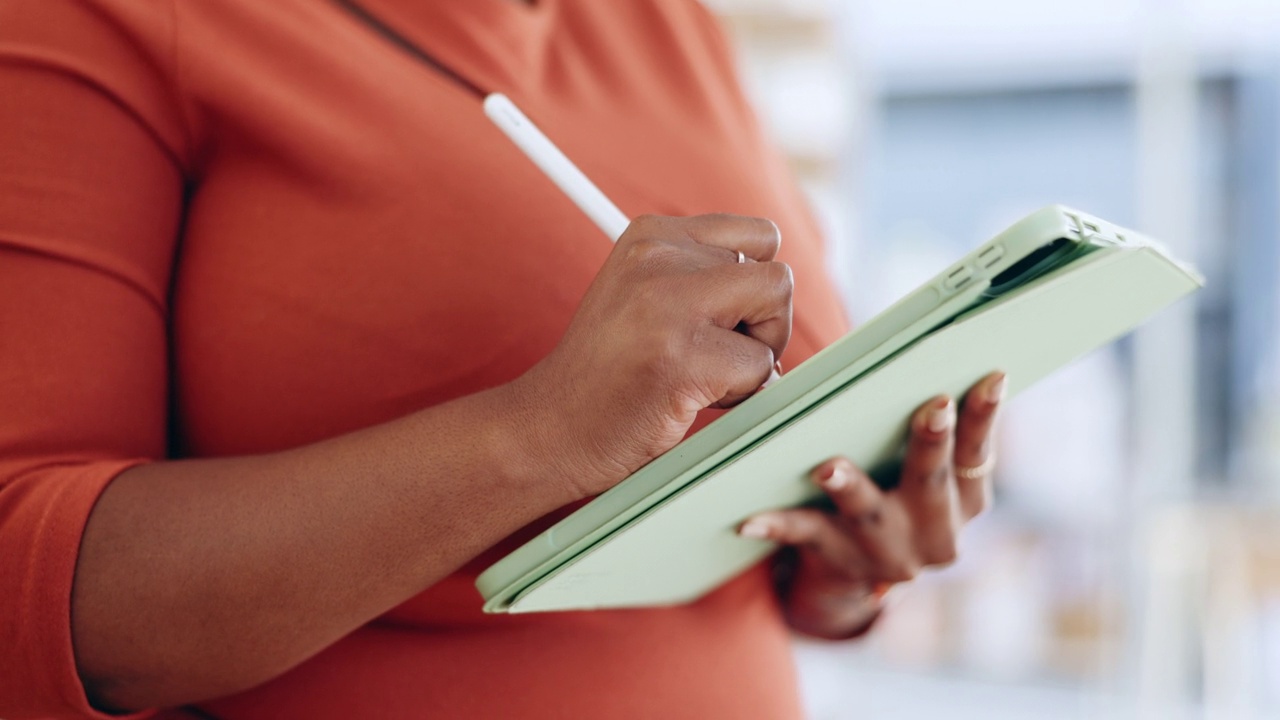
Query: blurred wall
x=1131 y=568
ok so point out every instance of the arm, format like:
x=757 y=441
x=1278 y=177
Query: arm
x=176 y=581
x=200 y=578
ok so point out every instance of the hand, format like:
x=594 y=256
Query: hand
x=654 y=342
x=838 y=560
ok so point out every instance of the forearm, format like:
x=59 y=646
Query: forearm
x=201 y=578
x=198 y=579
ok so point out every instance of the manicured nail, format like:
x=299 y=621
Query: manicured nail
x=995 y=391
x=838 y=479
x=942 y=418
x=756 y=528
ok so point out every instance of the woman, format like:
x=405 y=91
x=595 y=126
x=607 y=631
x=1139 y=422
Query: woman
x=296 y=344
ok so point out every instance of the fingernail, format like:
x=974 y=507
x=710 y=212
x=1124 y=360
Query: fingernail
x=942 y=418
x=838 y=479
x=777 y=366
x=995 y=391
x=756 y=528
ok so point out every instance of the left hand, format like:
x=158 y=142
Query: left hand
x=840 y=560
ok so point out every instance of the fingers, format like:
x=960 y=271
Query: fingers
x=754 y=298
x=928 y=487
x=974 y=441
x=812 y=529
x=869 y=540
x=876 y=521
x=929 y=447
x=977 y=418
x=854 y=494
x=722 y=236
x=742 y=366
x=757 y=238
x=699 y=257
x=889 y=536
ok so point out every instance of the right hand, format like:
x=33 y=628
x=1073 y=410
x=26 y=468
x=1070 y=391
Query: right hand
x=671 y=325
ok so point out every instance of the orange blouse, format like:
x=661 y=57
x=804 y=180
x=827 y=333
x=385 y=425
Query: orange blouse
x=237 y=226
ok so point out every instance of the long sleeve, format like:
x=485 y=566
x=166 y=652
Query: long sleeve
x=90 y=205
x=235 y=227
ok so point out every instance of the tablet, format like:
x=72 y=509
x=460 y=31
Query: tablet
x=666 y=534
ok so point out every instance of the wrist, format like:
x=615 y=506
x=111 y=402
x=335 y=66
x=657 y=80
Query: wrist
x=538 y=435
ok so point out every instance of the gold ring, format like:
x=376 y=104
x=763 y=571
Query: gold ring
x=978 y=472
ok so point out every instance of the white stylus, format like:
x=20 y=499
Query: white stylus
x=555 y=165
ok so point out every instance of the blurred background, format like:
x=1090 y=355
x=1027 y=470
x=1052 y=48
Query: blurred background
x=1131 y=568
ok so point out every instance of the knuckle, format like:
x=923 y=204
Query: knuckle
x=721 y=217
x=644 y=225
x=932 y=473
x=769 y=230
x=940 y=475
x=640 y=230
x=781 y=277
x=869 y=518
x=644 y=248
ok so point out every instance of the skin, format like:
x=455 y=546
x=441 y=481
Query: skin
x=875 y=538
x=201 y=578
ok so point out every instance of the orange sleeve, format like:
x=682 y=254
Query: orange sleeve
x=90 y=202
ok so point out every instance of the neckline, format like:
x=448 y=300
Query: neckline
x=492 y=45
x=524 y=13
x=505 y=41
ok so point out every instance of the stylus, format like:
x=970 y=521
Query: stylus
x=544 y=153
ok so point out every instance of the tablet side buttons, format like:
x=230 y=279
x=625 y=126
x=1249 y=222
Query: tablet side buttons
x=990 y=256
x=958 y=278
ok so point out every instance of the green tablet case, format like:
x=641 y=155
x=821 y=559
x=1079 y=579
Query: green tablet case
x=671 y=542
